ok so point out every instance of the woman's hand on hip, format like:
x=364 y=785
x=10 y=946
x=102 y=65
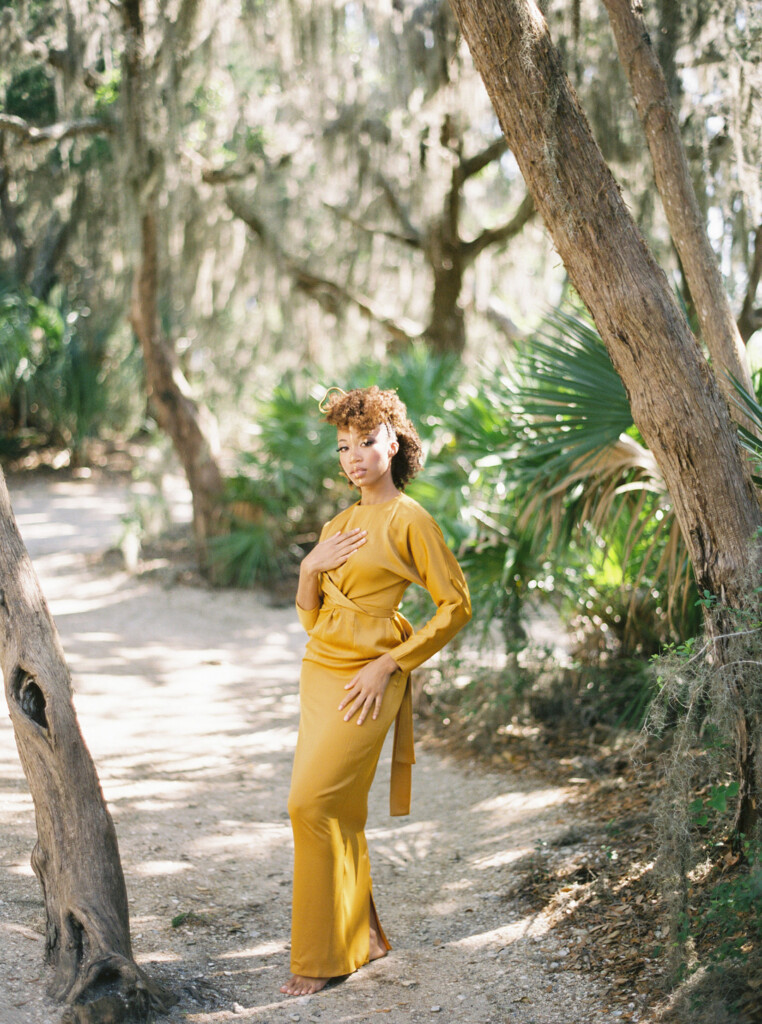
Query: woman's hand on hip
x=366 y=690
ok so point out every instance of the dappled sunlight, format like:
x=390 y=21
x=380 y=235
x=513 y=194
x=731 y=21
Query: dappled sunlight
x=531 y=927
x=37 y=528
x=403 y=845
x=256 y=841
x=161 y=794
x=188 y=701
x=500 y=859
x=515 y=805
x=149 y=868
x=20 y=869
x=16 y=802
x=157 y=957
x=262 y=949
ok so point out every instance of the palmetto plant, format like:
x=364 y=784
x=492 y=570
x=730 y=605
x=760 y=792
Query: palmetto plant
x=278 y=499
x=289 y=484
x=585 y=471
x=50 y=379
x=750 y=441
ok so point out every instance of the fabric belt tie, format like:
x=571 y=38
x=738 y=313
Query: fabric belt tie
x=403 y=750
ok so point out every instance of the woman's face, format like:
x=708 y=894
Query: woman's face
x=366 y=456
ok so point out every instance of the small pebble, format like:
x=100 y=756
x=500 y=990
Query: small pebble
x=436 y=1009
x=237 y=1008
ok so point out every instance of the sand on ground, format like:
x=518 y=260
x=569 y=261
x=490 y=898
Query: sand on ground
x=188 y=701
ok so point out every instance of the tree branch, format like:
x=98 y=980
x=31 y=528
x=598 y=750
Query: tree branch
x=329 y=294
x=750 y=319
x=492 y=236
x=396 y=236
x=675 y=186
x=234 y=171
x=8 y=212
x=468 y=168
x=32 y=136
x=54 y=243
x=399 y=210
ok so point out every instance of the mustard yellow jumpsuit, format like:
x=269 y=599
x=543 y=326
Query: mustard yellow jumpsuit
x=335 y=761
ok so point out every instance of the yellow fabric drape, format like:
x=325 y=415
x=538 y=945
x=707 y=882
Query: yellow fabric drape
x=335 y=761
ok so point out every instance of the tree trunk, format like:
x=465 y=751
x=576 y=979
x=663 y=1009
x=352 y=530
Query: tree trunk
x=446 y=329
x=750 y=319
x=673 y=180
x=176 y=411
x=76 y=858
x=674 y=397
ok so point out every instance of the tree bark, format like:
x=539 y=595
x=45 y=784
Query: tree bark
x=76 y=858
x=675 y=400
x=176 y=411
x=673 y=181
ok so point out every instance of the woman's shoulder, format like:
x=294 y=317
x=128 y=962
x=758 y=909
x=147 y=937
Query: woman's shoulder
x=409 y=510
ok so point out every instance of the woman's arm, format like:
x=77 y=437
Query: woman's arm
x=435 y=568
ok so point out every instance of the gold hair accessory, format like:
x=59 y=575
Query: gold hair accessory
x=324 y=405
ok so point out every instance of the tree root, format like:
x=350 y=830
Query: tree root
x=114 y=990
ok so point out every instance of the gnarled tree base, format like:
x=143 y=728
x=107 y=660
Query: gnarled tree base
x=112 y=990
x=76 y=858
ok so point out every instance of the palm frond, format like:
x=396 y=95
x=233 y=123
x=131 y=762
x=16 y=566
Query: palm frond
x=571 y=398
x=585 y=472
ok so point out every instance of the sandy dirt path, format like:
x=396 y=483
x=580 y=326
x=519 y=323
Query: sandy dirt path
x=188 y=702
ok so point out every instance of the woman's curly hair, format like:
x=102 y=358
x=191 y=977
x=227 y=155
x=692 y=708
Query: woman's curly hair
x=364 y=409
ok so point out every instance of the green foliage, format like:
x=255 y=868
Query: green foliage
x=516 y=460
x=733 y=918
x=703 y=808
x=31 y=333
x=31 y=95
x=591 y=485
x=751 y=407
x=572 y=398
x=709 y=696
x=52 y=377
x=278 y=499
x=108 y=91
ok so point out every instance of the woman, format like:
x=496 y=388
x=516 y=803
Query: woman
x=356 y=679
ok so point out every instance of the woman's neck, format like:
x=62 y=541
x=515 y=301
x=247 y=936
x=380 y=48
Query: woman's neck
x=378 y=494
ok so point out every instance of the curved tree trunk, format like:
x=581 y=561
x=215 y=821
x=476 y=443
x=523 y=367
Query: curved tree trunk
x=686 y=224
x=176 y=411
x=673 y=394
x=76 y=858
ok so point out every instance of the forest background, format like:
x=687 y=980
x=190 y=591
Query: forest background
x=211 y=212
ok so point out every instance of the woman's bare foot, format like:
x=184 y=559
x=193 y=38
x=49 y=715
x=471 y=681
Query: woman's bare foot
x=378 y=947
x=298 y=985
